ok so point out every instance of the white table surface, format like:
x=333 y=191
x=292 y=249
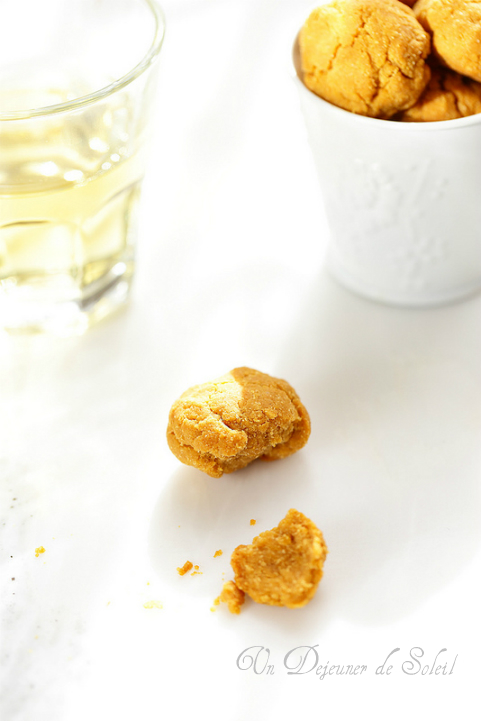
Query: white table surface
x=231 y=273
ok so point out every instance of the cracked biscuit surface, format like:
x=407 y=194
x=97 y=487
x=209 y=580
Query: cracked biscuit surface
x=222 y=426
x=283 y=566
x=366 y=56
x=448 y=96
x=455 y=26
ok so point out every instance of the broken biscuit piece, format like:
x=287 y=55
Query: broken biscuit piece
x=222 y=426
x=283 y=566
x=232 y=596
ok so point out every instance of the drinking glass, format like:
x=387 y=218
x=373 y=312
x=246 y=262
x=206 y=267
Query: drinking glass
x=77 y=88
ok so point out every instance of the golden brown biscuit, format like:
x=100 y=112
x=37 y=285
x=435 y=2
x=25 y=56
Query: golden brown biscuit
x=282 y=567
x=447 y=96
x=366 y=56
x=455 y=26
x=222 y=426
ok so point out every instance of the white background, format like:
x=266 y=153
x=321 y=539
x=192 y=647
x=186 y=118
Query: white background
x=231 y=273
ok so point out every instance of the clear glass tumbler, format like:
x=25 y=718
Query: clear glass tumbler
x=77 y=85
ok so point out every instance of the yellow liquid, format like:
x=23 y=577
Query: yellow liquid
x=67 y=223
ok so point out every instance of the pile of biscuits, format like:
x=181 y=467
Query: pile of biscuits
x=392 y=59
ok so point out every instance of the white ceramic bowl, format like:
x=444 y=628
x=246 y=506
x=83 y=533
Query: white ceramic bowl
x=403 y=201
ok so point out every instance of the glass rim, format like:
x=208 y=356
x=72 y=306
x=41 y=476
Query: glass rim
x=104 y=92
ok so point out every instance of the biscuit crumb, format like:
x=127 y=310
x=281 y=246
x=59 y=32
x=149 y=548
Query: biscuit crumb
x=283 y=566
x=216 y=603
x=196 y=568
x=196 y=573
x=39 y=550
x=222 y=426
x=185 y=568
x=153 y=604
x=217 y=553
x=232 y=596
x=253 y=522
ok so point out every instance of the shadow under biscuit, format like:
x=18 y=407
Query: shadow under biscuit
x=395 y=402
x=196 y=515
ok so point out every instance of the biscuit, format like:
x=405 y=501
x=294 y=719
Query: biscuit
x=455 y=26
x=447 y=96
x=282 y=567
x=222 y=426
x=366 y=56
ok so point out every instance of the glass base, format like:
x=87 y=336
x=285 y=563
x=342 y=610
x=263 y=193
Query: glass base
x=55 y=305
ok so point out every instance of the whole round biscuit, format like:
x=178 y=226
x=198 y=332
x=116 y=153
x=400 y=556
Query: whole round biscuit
x=455 y=26
x=448 y=96
x=366 y=56
x=222 y=426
